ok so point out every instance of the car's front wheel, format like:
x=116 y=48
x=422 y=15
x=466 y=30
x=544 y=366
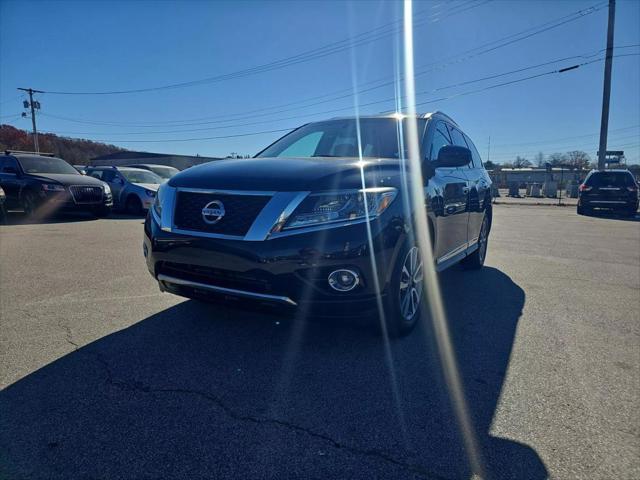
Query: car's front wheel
x=29 y=204
x=134 y=205
x=406 y=293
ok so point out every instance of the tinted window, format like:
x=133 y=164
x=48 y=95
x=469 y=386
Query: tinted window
x=95 y=173
x=610 y=179
x=477 y=160
x=108 y=175
x=440 y=139
x=46 y=165
x=164 y=172
x=9 y=163
x=458 y=138
x=140 y=176
x=339 y=138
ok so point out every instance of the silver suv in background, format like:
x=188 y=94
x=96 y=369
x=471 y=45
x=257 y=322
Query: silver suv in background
x=133 y=189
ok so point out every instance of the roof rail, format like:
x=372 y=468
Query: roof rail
x=442 y=114
x=10 y=152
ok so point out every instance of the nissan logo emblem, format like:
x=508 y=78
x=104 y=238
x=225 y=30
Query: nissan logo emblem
x=213 y=212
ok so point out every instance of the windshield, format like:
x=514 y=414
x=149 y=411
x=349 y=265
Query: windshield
x=339 y=138
x=141 y=176
x=46 y=165
x=164 y=172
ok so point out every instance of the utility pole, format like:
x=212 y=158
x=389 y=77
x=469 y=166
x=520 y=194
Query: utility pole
x=34 y=106
x=606 y=94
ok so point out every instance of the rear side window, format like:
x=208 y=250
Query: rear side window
x=95 y=173
x=108 y=175
x=477 y=159
x=611 y=179
x=8 y=165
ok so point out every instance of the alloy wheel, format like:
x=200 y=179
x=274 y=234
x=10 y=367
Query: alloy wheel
x=411 y=278
x=482 y=240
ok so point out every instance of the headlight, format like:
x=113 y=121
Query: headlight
x=52 y=187
x=107 y=188
x=327 y=208
x=150 y=193
x=157 y=204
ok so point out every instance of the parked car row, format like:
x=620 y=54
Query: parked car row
x=46 y=184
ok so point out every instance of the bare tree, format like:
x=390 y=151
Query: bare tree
x=521 y=162
x=538 y=159
x=578 y=159
x=557 y=159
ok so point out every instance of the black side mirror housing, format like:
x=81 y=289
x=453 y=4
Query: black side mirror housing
x=452 y=156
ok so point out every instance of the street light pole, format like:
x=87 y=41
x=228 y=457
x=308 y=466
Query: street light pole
x=606 y=94
x=31 y=91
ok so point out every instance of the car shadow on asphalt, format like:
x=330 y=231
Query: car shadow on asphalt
x=19 y=218
x=203 y=391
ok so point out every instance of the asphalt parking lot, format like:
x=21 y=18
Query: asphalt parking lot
x=103 y=376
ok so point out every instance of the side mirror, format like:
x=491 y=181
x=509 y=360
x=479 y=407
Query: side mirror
x=118 y=181
x=452 y=156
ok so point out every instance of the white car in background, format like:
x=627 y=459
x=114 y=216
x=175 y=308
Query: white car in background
x=134 y=189
x=163 y=171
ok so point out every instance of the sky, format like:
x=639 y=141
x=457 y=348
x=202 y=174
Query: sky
x=342 y=58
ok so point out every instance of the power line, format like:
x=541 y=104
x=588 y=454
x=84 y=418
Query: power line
x=336 y=110
x=468 y=54
x=370 y=103
x=313 y=54
x=562 y=139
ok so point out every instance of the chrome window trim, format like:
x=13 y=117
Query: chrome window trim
x=232 y=291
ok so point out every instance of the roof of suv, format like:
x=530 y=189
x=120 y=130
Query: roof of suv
x=401 y=115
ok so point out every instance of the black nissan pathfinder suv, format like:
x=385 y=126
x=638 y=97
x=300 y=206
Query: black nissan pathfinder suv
x=44 y=185
x=321 y=219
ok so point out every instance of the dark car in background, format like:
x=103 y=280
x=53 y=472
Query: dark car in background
x=323 y=219
x=47 y=185
x=163 y=171
x=614 y=190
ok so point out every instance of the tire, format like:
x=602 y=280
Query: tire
x=584 y=210
x=101 y=212
x=29 y=204
x=406 y=295
x=134 y=205
x=475 y=261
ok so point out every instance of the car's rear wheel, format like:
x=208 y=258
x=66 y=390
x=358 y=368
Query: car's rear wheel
x=476 y=259
x=406 y=294
x=134 y=205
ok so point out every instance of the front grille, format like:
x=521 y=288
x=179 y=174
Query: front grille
x=86 y=194
x=240 y=212
x=250 y=281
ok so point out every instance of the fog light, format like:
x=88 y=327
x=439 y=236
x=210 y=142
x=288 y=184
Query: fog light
x=343 y=280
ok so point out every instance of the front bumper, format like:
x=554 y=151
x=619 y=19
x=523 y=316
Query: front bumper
x=64 y=201
x=287 y=272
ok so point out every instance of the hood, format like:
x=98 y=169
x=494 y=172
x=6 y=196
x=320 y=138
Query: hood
x=288 y=174
x=66 y=179
x=148 y=186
